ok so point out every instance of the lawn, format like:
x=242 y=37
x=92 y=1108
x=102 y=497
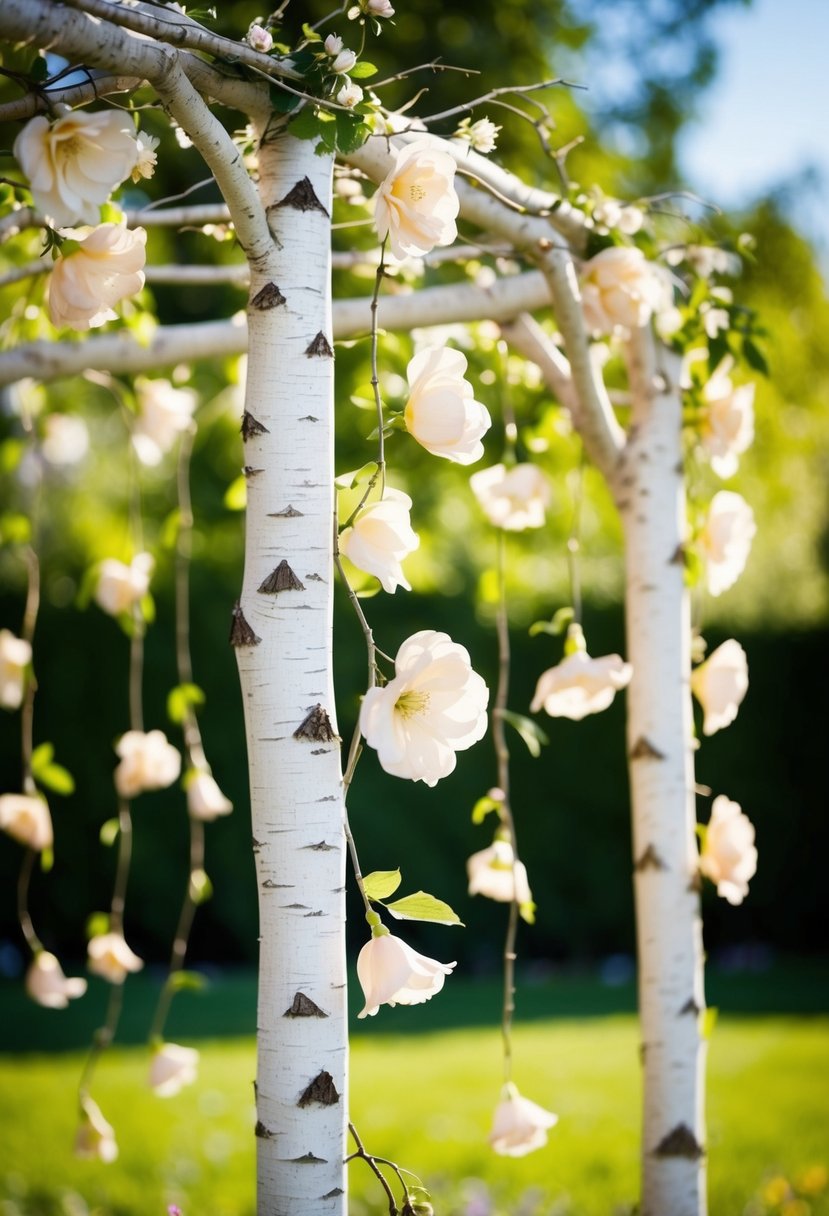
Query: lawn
x=426 y=1100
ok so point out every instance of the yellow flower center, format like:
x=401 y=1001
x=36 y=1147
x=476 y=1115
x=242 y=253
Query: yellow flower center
x=416 y=192
x=411 y=703
x=70 y=148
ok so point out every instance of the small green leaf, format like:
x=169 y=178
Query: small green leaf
x=305 y=125
x=236 y=495
x=755 y=358
x=362 y=70
x=283 y=102
x=556 y=626
x=381 y=883
x=350 y=481
x=168 y=536
x=309 y=33
x=527 y=912
x=192 y=980
x=47 y=860
x=422 y=906
x=11 y=452
x=15 y=529
x=530 y=732
x=42 y=756
x=483 y=807
x=352 y=132
x=181 y=699
x=57 y=778
x=201 y=888
x=109 y=832
x=97 y=924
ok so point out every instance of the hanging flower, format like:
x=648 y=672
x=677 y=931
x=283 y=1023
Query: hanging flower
x=481 y=135
x=434 y=707
x=725 y=540
x=46 y=984
x=580 y=685
x=719 y=684
x=519 y=1126
x=26 y=818
x=259 y=38
x=95 y=1138
x=205 y=800
x=441 y=413
x=380 y=536
x=350 y=95
x=119 y=588
x=107 y=266
x=110 y=957
x=377 y=8
x=392 y=973
x=147 y=162
x=728 y=421
x=172 y=1068
x=15 y=657
x=495 y=873
x=729 y=857
x=148 y=762
x=621 y=290
x=74 y=163
x=164 y=413
x=416 y=204
x=513 y=498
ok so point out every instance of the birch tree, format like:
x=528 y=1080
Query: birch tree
x=591 y=271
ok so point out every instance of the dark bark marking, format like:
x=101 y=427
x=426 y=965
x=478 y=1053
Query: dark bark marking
x=241 y=633
x=270 y=885
x=269 y=297
x=321 y=847
x=311 y=915
x=322 y=1089
x=677 y=558
x=319 y=348
x=650 y=860
x=295 y=905
x=249 y=471
x=288 y=512
x=315 y=578
x=316 y=727
x=308 y=1159
x=257 y=845
x=679 y=1142
x=690 y=1006
x=281 y=579
x=643 y=749
x=320 y=751
x=303 y=1007
x=252 y=426
x=301 y=197
x=327 y=797
x=695 y=884
x=264 y=1133
x=333 y=1193
x=309 y=418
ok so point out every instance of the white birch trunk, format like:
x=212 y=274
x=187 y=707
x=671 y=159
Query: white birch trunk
x=650 y=496
x=286 y=676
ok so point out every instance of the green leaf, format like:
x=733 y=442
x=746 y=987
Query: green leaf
x=530 y=732
x=47 y=860
x=57 y=778
x=109 y=832
x=422 y=906
x=192 y=980
x=97 y=924
x=283 y=102
x=43 y=755
x=381 y=883
x=483 y=807
x=11 y=451
x=352 y=132
x=755 y=358
x=556 y=626
x=527 y=912
x=201 y=888
x=309 y=33
x=305 y=125
x=168 y=536
x=236 y=494
x=15 y=529
x=181 y=699
x=362 y=70
x=349 y=481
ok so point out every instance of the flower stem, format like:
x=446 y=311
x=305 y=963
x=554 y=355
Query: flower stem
x=574 y=540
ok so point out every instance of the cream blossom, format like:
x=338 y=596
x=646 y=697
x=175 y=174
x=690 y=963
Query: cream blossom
x=74 y=163
x=172 y=1068
x=610 y=213
x=495 y=873
x=148 y=762
x=205 y=800
x=513 y=498
x=343 y=62
x=147 y=161
x=95 y=1138
x=434 y=707
x=481 y=135
x=729 y=857
x=725 y=540
x=580 y=685
x=164 y=413
x=110 y=957
x=333 y=45
x=441 y=412
x=15 y=657
x=719 y=684
x=728 y=420
x=377 y=8
x=392 y=973
x=350 y=95
x=621 y=290
x=416 y=204
x=107 y=266
x=380 y=536
x=120 y=587
x=259 y=38
x=46 y=984
x=26 y=818
x=519 y=1126
x=65 y=439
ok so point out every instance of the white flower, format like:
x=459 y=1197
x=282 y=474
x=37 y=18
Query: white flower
x=435 y=706
x=481 y=135
x=110 y=957
x=416 y=204
x=172 y=1068
x=380 y=536
x=519 y=1126
x=333 y=45
x=119 y=587
x=621 y=290
x=259 y=38
x=65 y=439
x=350 y=95
x=377 y=8
x=75 y=163
x=15 y=657
x=495 y=873
x=148 y=762
x=725 y=540
x=514 y=498
x=442 y=413
x=630 y=220
x=728 y=422
x=163 y=413
x=107 y=267
x=579 y=685
x=392 y=973
x=26 y=818
x=205 y=800
x=95 y=1138
x=719 y=684
x=729 y=857
x=147 y=161
x=46 y=983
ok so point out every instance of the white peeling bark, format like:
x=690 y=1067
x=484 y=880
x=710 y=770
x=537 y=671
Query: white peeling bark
x=649 y=491
x=286 y=676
